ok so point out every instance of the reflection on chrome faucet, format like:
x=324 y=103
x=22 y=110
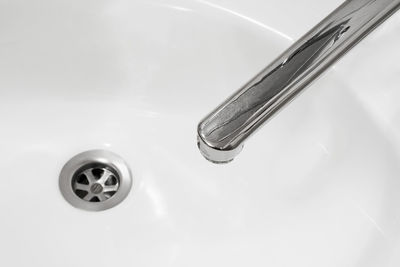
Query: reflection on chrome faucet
x=222 y=133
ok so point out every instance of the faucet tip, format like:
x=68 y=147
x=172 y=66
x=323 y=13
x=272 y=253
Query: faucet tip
x=216 y=155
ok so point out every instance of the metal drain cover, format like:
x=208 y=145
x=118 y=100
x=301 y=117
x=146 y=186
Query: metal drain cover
x=95 y=180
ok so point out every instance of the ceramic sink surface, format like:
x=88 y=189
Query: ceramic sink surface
x=135 y=78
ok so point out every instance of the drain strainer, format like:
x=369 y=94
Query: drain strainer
x=95 y=180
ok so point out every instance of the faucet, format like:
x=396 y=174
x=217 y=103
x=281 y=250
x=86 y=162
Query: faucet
x=221 y=134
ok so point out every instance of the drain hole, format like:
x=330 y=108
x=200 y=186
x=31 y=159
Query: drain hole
x=95 y=182
x=82 y=179
x=81 y=193
x=95 y=199
x=110 y=194
x=111 y=181
x=97 y=173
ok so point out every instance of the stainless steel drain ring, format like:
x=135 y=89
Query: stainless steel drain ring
x=95 y=180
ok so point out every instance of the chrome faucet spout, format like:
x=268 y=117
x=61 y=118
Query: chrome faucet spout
x=222 y=133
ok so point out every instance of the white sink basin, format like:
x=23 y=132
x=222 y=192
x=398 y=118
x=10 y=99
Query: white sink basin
x=135 y=78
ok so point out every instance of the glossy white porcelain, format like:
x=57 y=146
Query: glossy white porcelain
x=115 y=75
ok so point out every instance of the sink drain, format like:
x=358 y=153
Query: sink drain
x=95 y=184
x=95 y=180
